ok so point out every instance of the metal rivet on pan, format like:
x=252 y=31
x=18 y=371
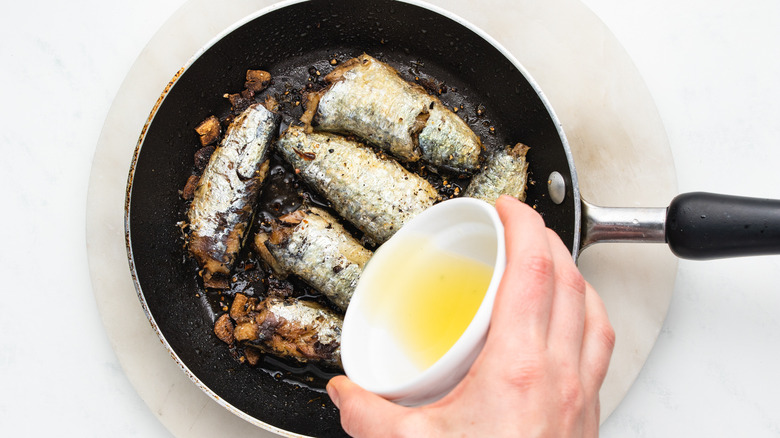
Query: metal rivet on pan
x=556 y=187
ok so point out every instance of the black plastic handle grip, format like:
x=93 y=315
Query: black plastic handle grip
x=705 y=226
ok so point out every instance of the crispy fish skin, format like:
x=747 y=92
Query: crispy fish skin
x=446 y=140
x=320 y=251
x=506 y=173
x=375 y=194
x=227 y=191
x=289 y=327
x=368 y=98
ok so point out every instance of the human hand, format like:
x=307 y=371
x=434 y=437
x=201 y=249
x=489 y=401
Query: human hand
x=539 y=373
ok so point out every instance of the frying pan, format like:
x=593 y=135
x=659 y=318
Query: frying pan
x=289 y=39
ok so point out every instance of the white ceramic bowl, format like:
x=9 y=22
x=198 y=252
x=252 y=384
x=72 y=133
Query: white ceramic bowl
x=371 y=355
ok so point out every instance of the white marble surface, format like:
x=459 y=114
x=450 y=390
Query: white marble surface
x=710 y=66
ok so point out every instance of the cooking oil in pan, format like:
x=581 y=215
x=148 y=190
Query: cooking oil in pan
x=428 y=297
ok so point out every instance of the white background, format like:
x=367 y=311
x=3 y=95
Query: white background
x=712 y=67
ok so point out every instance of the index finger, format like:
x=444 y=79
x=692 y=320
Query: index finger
x=521 y=312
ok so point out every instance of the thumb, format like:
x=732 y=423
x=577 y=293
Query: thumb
x=363 y=413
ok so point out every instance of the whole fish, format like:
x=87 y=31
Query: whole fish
x=368 y=98
x=224 y=199
x=505 y=173
x=374 y=193
x=288 y=327
x=313 y=245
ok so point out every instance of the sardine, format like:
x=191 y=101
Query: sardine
x=288 y=327
x=226 y=193
x=376 y=194
x=369 y=99
x=313 y=245
x=505 y=173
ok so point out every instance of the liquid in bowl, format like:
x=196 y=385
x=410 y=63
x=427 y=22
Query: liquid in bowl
x=420 y=312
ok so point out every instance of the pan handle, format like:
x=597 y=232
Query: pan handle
x=705 y=226
x=698 y=226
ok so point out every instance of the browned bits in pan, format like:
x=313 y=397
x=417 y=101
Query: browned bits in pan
x=239 y=309
x=202 y=157
x=252 y=355
x=257 y=80
x=240 y=101
x=189 y=188
x=432 y=86
x=223 y=328
x=279 y=288
x=208 y=131
x=271 y=103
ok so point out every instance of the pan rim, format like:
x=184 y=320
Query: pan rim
x=577 y=201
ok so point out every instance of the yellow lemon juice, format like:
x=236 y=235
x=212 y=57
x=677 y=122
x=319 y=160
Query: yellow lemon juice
x=429 y=296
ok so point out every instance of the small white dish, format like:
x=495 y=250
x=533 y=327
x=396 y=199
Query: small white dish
x=375 y=354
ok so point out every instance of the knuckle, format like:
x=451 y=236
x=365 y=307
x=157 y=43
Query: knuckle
x=540 y=267
x=572 y=279
x=607 y=335
x=572 y=395
x=525 y=374
x=540 y=264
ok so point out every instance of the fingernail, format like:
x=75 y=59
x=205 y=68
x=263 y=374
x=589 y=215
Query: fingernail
x=333 y=393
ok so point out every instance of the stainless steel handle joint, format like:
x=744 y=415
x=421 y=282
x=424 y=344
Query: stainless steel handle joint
x=613 y=224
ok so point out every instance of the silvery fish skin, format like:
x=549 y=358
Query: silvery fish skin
x=376 y=194
x=227 y=191
x=289 y=327
x=313 y=245
x=505 y=173
x=369 y=99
